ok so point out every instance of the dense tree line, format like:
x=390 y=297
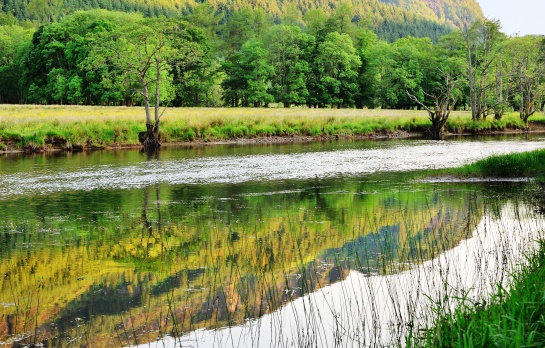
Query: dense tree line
x=252 y=59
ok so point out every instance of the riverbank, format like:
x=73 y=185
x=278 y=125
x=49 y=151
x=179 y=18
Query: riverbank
x=513 y=317
x=48 y=128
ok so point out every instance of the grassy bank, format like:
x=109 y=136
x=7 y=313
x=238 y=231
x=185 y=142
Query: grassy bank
x=526 y=164
x=42 y=127
x=514 y=318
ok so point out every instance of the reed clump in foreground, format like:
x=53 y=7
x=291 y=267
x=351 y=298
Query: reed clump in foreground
x=514 y=318
x=34 y=127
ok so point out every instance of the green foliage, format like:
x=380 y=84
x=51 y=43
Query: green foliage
x=247 y=76
x=336 y=71
x=393 y=30
x=288 y=50
x=526 y=71
x=241 y=26
x=14 y=43
x=412 y=61
x=481 y=41
x=53 y=66
x=256 y=72
x=444 y=12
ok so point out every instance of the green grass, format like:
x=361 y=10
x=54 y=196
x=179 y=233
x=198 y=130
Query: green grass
x=514 y=318
x=96 y=126
x=526 y=164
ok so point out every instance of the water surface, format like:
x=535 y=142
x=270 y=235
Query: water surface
x=235 y=164
x=281 y=245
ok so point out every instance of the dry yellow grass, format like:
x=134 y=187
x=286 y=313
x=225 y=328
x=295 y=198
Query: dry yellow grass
x=38 y=126
x=37 y=113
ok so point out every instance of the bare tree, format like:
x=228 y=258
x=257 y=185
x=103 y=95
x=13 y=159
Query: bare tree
x=444 y=102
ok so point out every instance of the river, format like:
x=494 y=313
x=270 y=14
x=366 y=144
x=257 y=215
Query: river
x=308 y=244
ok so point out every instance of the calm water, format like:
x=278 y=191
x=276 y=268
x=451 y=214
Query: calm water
x=324 y=244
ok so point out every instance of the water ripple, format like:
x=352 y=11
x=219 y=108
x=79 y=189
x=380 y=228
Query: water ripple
x=399 y=157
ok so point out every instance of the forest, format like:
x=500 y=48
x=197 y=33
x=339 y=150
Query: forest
x=372 y=12
x=251 y=58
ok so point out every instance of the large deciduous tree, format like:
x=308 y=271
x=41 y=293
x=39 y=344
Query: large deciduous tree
x=192 y=68
x=14 y=43
x=248 y=74
x=396 y=68
x=143 y=54
x=411 y=70
x=527 y=73
x=366 y=40
x=335 y=72
x=289 y=49
x=256 y=72
x=481 y=42
x=53 y=71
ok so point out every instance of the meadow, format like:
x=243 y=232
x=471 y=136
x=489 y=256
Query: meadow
x=39 y=128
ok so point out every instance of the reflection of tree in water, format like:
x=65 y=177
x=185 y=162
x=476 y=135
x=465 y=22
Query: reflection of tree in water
x=150 y=233
x=538 y=195
x=205 y=261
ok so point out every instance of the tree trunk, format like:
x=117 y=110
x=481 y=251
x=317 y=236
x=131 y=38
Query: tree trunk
x=157 y=91
x=435 y=132
x=150 y=137
x=498 y=114
x=443 y=106
x=438 y=121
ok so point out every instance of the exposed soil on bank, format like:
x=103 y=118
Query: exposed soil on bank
x=454 y=179
x=56 y=145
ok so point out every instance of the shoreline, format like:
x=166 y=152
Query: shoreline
x=263 y=140
x=56 y=147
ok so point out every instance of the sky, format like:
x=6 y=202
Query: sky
x=517 y=16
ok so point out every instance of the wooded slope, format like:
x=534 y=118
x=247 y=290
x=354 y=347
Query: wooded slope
x=373 y=12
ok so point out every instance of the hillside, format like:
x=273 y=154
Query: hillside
x=452 y=12
x=374 y=13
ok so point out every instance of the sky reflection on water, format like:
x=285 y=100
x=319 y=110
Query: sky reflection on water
x=395 y=156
